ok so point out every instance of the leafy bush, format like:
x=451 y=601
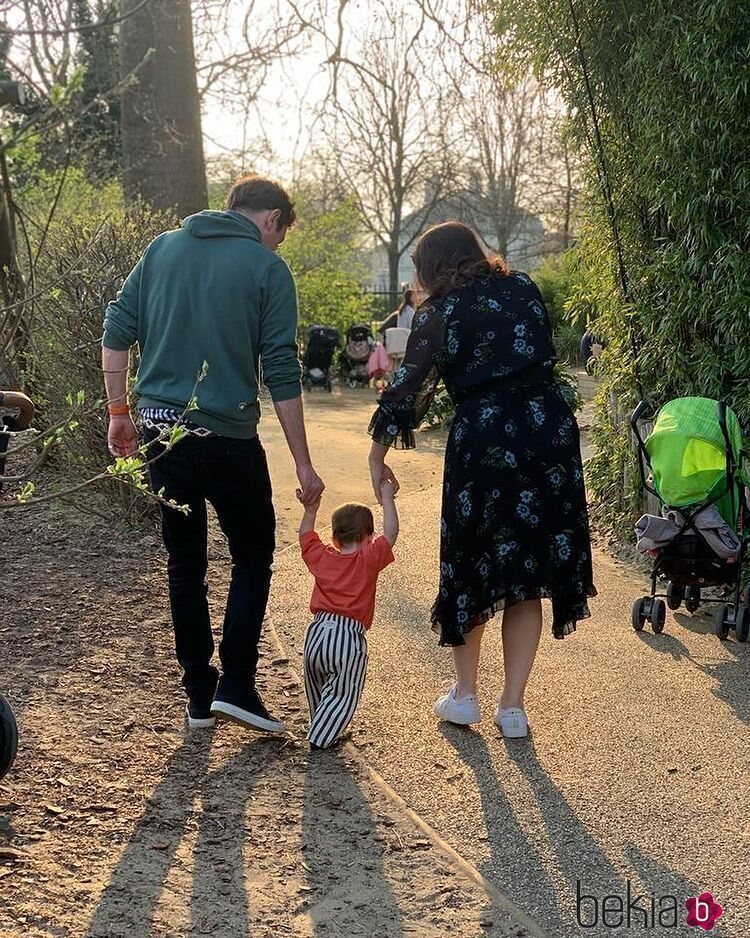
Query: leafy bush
x=562 y=281
x=84 y=251
x=324 y=253
x=665 y=249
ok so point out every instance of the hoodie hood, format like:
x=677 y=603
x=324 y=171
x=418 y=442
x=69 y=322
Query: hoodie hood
x=209 y=224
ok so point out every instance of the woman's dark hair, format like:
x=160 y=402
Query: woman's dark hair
x=258 y=194
x=450 y=256
x=408 y=300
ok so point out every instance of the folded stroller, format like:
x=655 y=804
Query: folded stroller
x=694 y=455
x=322 y=342
x=356 y=354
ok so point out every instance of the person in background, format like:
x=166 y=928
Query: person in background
x=592 y=347
x=406 y=311
x=213 y=291
x=402 y=317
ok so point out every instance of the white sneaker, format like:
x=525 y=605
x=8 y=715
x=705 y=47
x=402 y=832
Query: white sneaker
x=463 y=711
x=512 y=721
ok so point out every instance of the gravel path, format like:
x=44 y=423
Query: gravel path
x=636 y=772
x=117 y=823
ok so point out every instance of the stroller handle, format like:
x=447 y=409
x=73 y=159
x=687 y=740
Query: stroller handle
x=721 y=412
x=639 y=411
x=643 y=457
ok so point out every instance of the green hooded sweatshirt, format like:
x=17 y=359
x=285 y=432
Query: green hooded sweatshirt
x=211 y=292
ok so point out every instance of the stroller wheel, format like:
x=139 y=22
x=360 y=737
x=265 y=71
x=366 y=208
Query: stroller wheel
x=658 y=615
x=746 y=596
x=8 y=737
x=639 y=615
x=742 y=623
x=675 y=595
x=721 y=622
x=692 y=598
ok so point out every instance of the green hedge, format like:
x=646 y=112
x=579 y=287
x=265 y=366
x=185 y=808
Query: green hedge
x=660 y=93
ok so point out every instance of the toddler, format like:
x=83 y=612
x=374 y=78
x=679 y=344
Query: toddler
x=343 y=604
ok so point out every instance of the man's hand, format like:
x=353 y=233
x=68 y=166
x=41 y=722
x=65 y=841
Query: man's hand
x=122 y=437
x=311 y=511
x=311 y=485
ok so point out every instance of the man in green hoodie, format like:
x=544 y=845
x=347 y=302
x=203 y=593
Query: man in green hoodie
x=214 y=291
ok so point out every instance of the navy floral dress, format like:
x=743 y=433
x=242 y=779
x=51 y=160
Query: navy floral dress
x=514 y=522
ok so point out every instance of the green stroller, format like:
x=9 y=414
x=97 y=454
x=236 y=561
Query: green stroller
x=694 y=455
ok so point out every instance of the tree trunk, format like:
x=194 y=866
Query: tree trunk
x=394 y=256
x=162 y=146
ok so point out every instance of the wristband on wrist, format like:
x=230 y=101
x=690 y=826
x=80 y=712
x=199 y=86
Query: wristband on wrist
x=118 y=410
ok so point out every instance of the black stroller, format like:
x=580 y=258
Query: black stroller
x=322 y=342
x=353 y=359
x=16 y=413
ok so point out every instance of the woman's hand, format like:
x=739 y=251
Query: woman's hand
x=381 y=473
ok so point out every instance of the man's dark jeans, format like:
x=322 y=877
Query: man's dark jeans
x=233 y=476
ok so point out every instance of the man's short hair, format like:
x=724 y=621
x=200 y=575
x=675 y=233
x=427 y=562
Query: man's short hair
x=258 y=194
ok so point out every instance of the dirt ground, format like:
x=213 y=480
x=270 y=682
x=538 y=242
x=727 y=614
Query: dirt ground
x=120 y=822
x=339 y=445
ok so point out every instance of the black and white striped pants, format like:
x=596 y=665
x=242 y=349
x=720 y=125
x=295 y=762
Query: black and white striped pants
x=335 y=671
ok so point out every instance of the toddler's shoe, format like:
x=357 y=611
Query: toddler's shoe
x=512 y=721
x=462 y=711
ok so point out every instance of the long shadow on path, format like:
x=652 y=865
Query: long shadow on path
x=732 y=675
x=217 y=809
x=351 y=894
x=127 y=904
x=513 y=857
x=576 y=859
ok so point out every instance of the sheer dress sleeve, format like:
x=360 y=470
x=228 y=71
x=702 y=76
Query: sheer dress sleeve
x=404 y=404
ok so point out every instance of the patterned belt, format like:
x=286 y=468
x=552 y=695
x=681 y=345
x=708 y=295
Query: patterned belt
x=161 y=419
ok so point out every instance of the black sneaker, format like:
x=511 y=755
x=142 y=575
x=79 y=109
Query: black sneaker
x=243 y=705
x=199 y=716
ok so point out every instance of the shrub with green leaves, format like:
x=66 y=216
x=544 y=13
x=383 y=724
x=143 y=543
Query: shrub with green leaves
x=660 y=96
x=324 y=252
x=84 y=242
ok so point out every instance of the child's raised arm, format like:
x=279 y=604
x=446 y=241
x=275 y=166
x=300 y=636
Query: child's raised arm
x=308 y=518
x=390 y=515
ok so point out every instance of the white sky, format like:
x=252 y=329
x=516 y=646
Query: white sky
x=283 y=114
x=281 y=117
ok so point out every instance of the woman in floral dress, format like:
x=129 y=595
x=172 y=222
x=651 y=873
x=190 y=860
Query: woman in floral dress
x=514 y=524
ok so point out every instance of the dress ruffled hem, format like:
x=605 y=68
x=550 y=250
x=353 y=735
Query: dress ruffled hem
x=386 y=429
x=567 y=610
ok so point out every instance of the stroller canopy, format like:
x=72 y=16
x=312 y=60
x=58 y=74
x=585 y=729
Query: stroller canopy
x=688 y=455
